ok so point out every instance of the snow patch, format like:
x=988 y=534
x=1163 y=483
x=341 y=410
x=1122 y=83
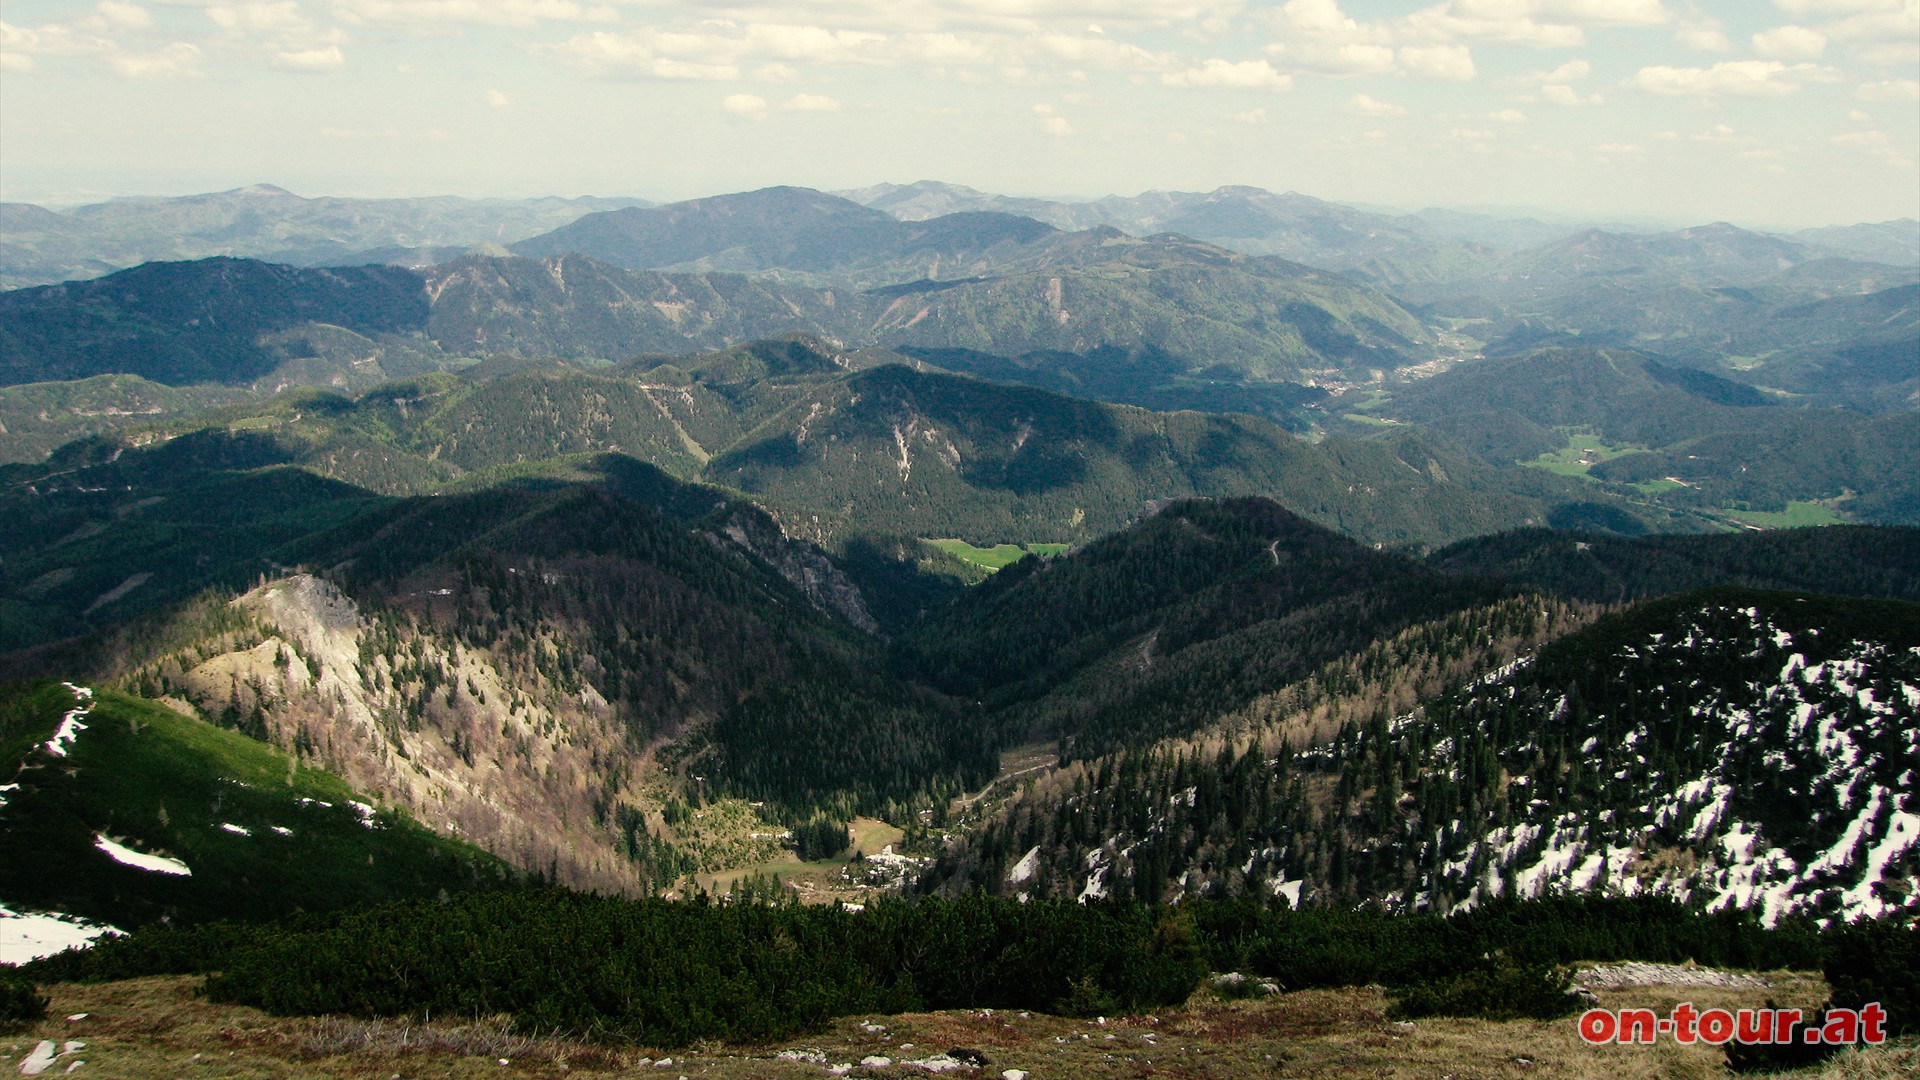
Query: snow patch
x=70 y=725
x=28 y=935
x=1024 y=870
x=126 y=856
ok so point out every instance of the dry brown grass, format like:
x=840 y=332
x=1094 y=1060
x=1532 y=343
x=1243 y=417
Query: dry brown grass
x=158 y=1029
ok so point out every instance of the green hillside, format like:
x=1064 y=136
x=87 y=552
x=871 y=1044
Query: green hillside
x=1503 y=407
x=167 y=528
x=1682 y=436
x=1863 y=465
x=241 y=830
x=193 y=322
x=926 y=454
x=37 y=418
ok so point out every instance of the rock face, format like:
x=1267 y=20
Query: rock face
x=803 y=566
x=1637 y=974
x=491 y=757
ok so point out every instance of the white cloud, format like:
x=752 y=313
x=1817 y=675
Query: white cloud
x=1889 y=90
x=428 y=13
x=1335 y=59
x=1568 y=72
x=1007 y=16
x=1566 y=96
x=1539 y=23
x=1790 y=43
x=1241 y=75
x=1051 y=124
x=179 y=60
x=1874 y=143
x=602 y=52
x=1880 y=24
x=50 y=40
x=720 y=50
x=1442 y=24
x=942 y=49
x=1723 y=133
x=325 y=58
x=1703 y=35
x=1251 y=116
x=1316 y=36
x=1591 y=12
x=1738 y=78
x=810 y=103
x=1836 y=7
x=751 y=105
x=1555 y=87
x=258 y=15
x=1367 y=106
x=1508 y=116
x=18 y=63
x=1322 y=19
x=781 y=41
x=125 y=16
x=1883 y=35
x=1098 y=51
x=1452 y=62
x=498 y=100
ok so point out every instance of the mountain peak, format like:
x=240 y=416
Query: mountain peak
x=263 y=191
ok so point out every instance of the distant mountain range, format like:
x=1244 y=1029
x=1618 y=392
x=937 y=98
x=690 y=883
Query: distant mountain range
x=1699 y=294
x=1398 y=249
x=40 y=246
x=44 y=246
x=962 y=269
x=1222 y=316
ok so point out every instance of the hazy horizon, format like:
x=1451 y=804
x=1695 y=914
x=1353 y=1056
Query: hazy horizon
x=1781 y=115
x=1495 y=211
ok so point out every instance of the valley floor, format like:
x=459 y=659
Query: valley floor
x=159 y=1028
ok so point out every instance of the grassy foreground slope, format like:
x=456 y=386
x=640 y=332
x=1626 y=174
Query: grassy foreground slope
x=143 y=1029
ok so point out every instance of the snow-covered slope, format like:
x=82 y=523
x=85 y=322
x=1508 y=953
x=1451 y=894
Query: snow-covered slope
x=1752 y=755
x=1731 y=748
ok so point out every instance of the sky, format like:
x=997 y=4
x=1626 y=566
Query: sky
x=1765 y=113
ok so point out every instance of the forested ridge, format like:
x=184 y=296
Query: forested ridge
x=1149 y=633
x=1748 y=749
